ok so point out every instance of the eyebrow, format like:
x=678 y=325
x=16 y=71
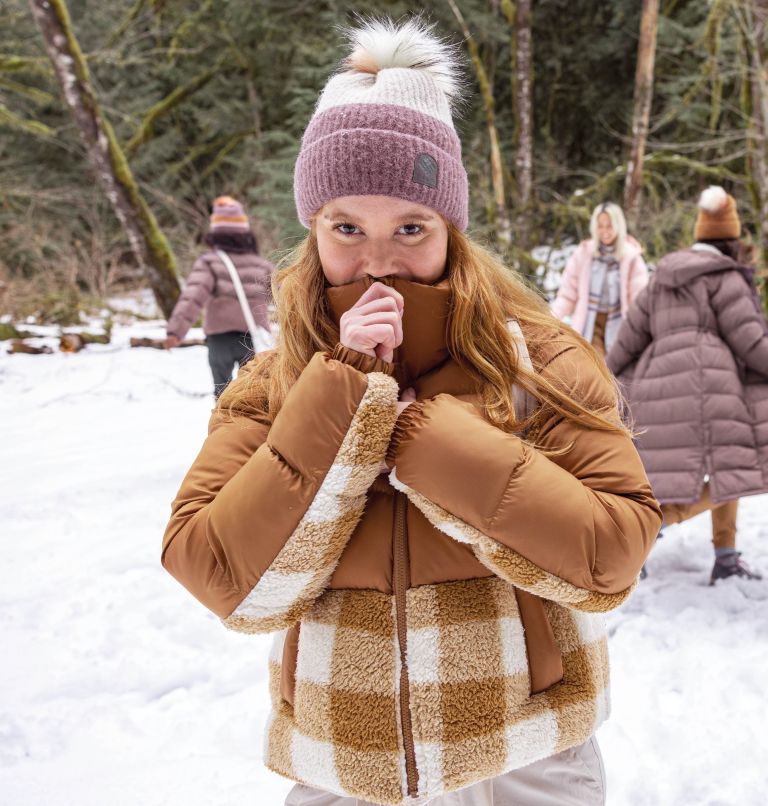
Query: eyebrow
x=412 y=215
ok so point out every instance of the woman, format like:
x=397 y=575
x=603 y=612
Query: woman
x=694 y=354
x=601 y=279
x=431 y=555
x=211 y=287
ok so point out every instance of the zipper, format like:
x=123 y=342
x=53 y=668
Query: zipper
x=401 y=582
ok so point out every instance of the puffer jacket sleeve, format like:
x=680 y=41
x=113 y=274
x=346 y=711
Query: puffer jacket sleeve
x=266 y=510
x=196 y=293
x=740 y=323
x=568 y=293
x=633 y=337
x=574 y=527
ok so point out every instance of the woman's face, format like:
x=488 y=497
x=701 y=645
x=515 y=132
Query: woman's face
x=380 y=236
x=605 y=231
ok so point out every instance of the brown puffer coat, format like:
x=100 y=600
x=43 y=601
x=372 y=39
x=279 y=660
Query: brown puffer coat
x=437 y=628
x=693 y=353
x=210 y=287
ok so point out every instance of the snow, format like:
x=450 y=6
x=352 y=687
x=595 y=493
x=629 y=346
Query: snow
x=117 y=687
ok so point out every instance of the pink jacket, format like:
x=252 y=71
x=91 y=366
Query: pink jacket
x=573 y=296
x=209 y=287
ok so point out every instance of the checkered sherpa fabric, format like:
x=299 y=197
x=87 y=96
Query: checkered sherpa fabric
x=306 y=562
x=472 y=712
x=509 y=564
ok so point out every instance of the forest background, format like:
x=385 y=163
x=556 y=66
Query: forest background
x=569 y=103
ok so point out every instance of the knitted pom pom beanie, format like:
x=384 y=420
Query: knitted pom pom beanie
x=383 y=125
x=228 y=216
x=717 y=219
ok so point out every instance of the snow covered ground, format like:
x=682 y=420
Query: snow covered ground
x=117 y=688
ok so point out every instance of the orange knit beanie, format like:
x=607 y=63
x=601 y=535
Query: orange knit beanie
x=717 y=219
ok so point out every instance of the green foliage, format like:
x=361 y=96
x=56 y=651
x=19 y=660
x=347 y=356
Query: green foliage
x=212 y=97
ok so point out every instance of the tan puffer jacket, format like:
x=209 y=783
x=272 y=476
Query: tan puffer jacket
x=436 y=628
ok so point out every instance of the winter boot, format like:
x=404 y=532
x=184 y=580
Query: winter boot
x=728 y=565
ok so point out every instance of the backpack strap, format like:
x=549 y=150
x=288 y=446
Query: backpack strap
x=525 y=403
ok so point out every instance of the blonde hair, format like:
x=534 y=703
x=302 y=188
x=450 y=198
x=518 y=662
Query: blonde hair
x=485 y=295
x=619 y=223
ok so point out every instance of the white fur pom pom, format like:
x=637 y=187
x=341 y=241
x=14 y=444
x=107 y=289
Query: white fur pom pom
x=379 y=44
x=712 y=199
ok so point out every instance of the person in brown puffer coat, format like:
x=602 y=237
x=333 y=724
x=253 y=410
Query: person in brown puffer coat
x=425 y=491
x=209 y=288
x=693 y=355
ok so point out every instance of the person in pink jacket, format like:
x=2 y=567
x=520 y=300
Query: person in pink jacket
x=601 y=279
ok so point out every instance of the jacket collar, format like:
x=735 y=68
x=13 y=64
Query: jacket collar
x=425 y=322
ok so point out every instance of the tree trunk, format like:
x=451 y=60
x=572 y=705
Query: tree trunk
x=147 y=241
x=502 y=223
x=646 y=55
x=523 y=71
x=755 y=105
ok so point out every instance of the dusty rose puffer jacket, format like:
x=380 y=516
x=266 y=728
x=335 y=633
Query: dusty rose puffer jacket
x=209 y=286
x=694 y=353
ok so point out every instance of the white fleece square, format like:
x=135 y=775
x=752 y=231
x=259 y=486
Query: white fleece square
x=326 y=505
x=591 y=626
x=429 y=761
x=532 y=739
x=276 y=649
x=274 y=593
x=514 y=655
x=314 y=761
x=315 y=652
x=424 y=655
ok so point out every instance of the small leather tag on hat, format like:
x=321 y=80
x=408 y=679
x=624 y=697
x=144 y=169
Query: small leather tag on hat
x=425 y=170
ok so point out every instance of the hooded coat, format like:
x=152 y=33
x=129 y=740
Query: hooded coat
x=436 y=627
x=693 y=354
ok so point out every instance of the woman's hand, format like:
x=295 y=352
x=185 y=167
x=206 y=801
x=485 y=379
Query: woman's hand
x=374 y=324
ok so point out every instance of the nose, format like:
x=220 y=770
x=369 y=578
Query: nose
x=378 y=261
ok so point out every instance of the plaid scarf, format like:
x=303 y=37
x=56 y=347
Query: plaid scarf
x=604 y=295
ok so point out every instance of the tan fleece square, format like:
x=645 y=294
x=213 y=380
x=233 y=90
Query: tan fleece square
x=363 y=662
x=327 y=608
x=426 y=712
x=473 y=759
x=367 y=611
x=369 y=774
x=364 y=722
x=470 y=600
x=472 y=708
x=470 y=651
x=312 y=710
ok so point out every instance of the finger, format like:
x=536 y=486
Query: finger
x=379 y=291
x=377 y=318
x=371 y=336
x=380 y=304
x=408 y=396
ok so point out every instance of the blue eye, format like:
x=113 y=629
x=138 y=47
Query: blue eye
x=410 y=229
x=347 y=229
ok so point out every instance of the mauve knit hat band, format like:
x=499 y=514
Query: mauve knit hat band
x=383 y=127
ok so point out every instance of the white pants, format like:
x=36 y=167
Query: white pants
x=574 y=777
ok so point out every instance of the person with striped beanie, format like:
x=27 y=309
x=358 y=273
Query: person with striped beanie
x=425 y=491
x=212 y=288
